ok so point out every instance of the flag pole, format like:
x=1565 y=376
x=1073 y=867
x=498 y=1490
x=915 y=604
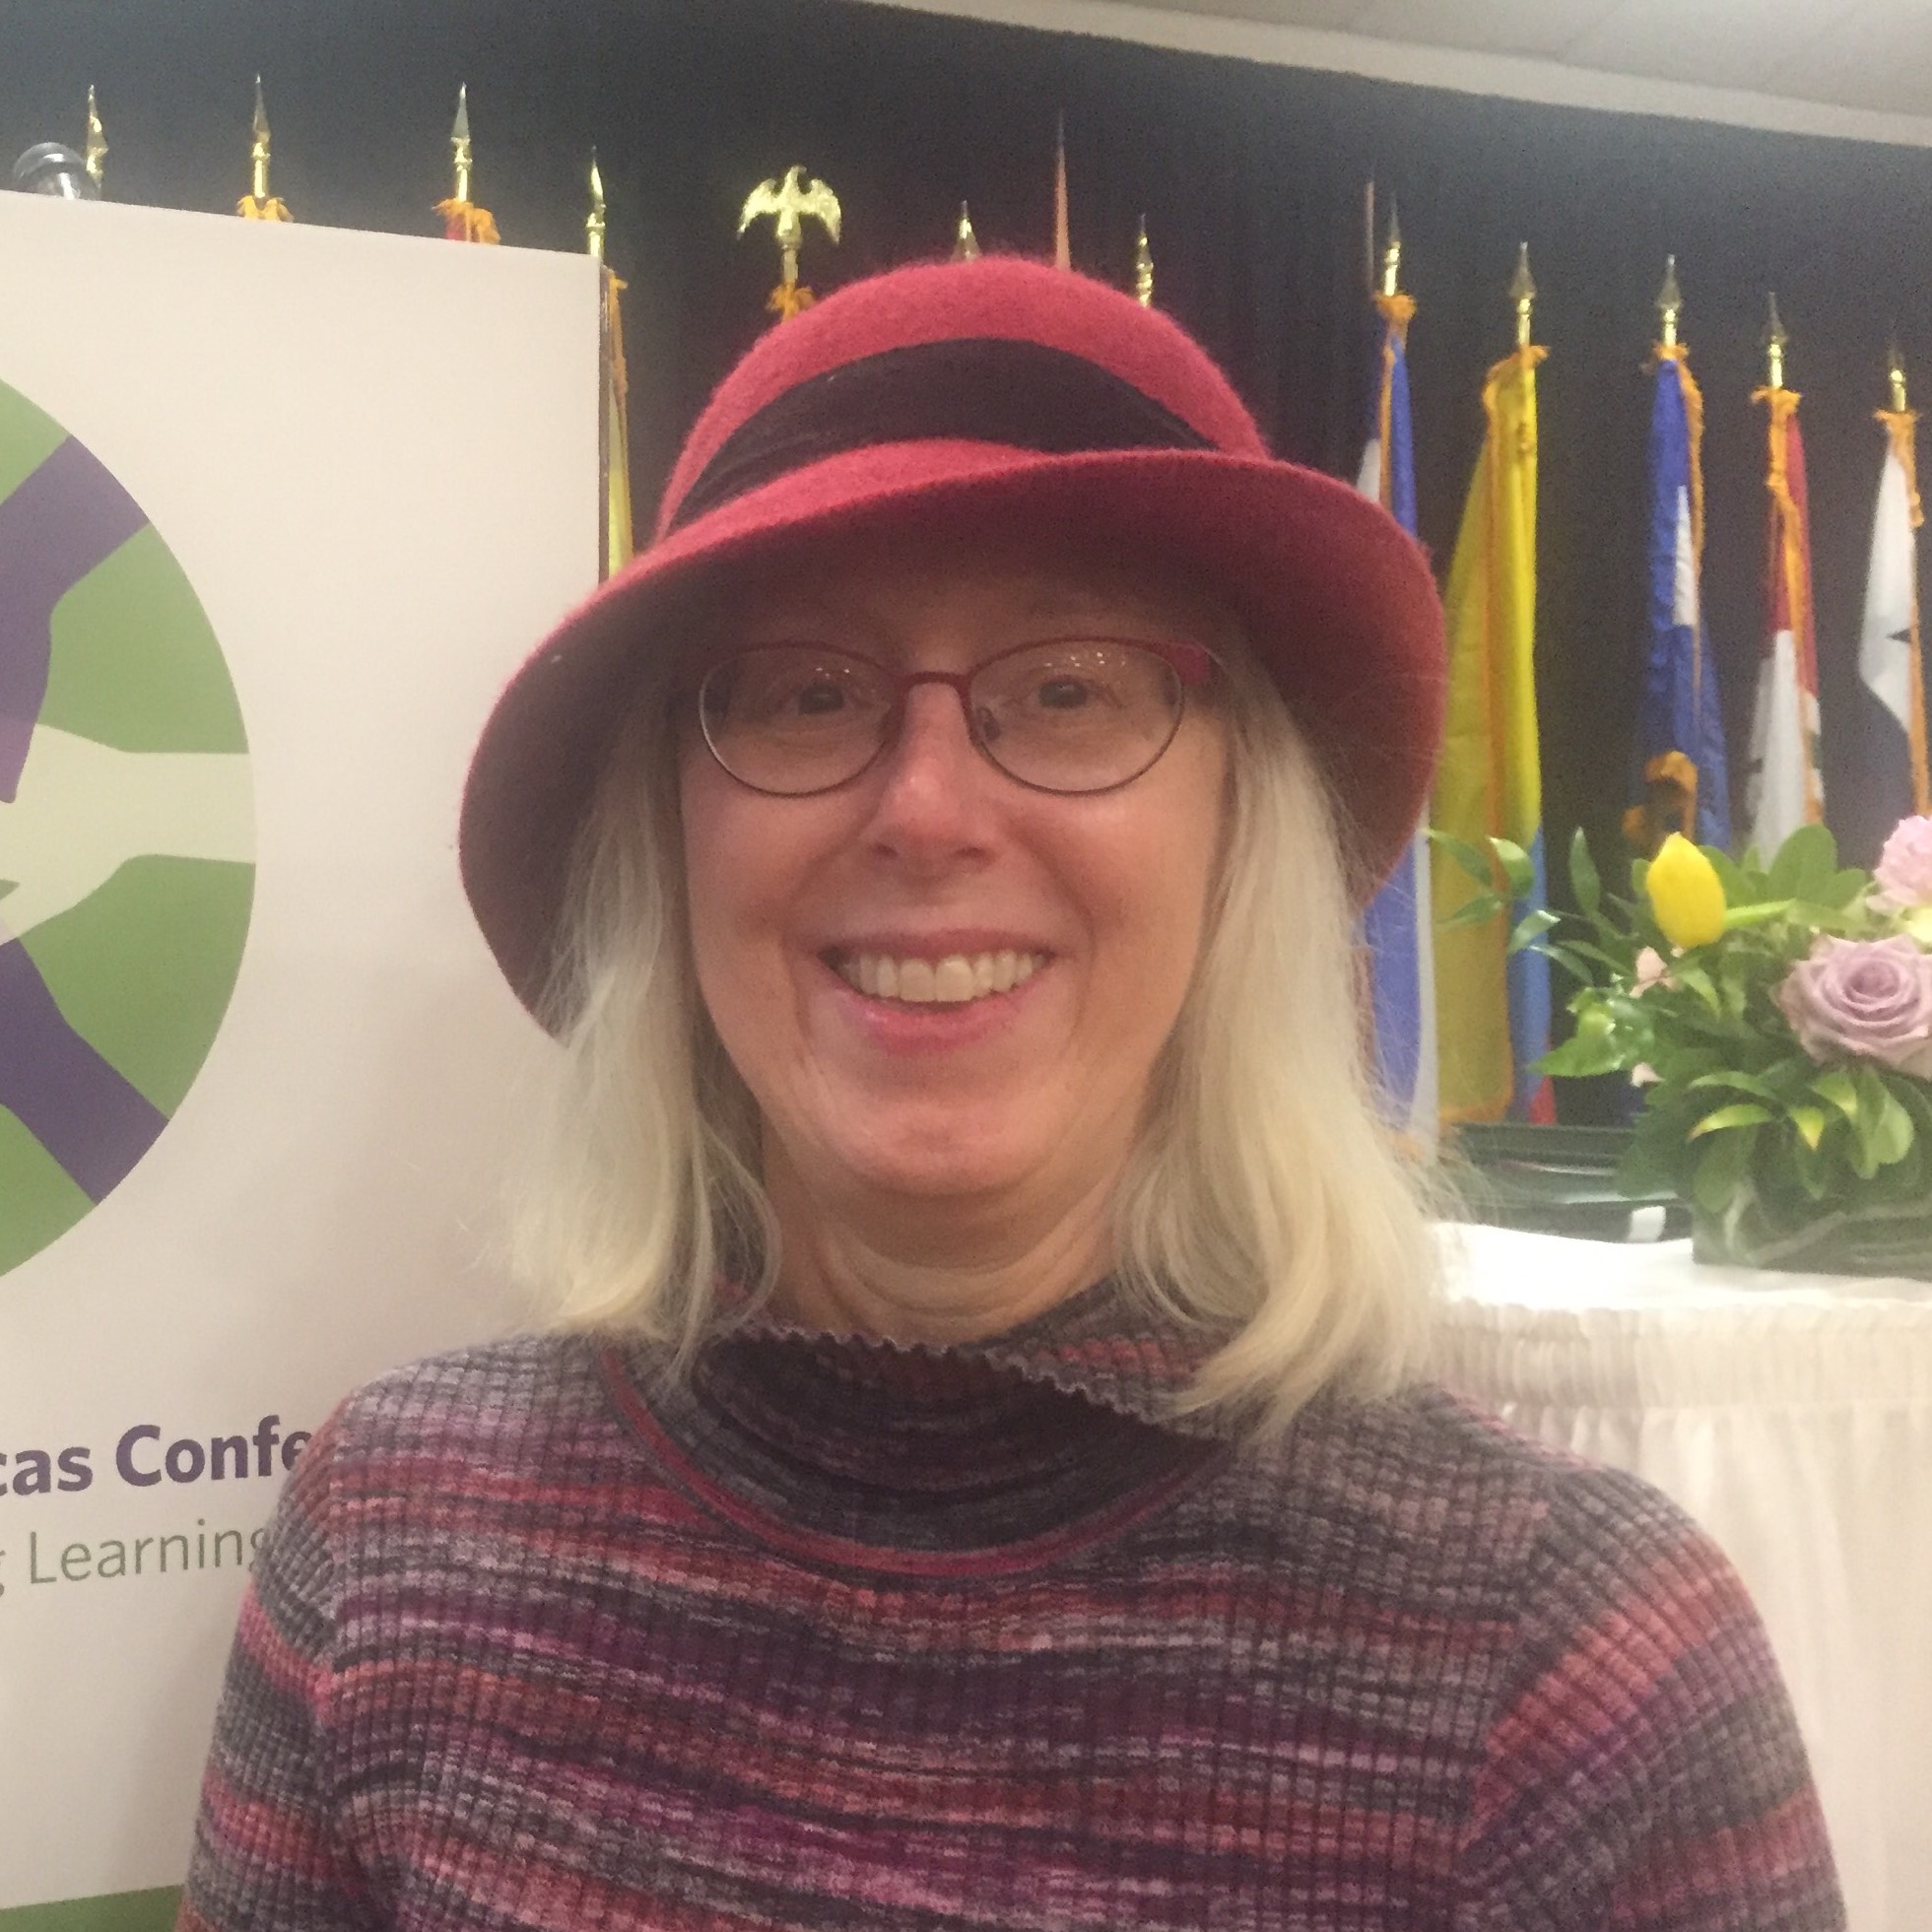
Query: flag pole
x=614 y=437
x=1891 y=618
x=1062 y=235
x=1783 y=788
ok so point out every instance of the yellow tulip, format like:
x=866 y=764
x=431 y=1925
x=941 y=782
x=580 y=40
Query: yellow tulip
x=1685 y=893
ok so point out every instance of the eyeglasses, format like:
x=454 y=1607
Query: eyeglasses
x=1065 y=715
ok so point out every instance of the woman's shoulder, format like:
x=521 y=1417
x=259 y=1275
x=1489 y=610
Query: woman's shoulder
x=490 y=1401
x=1425 y=1484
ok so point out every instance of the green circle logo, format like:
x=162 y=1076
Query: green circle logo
x=126 y=832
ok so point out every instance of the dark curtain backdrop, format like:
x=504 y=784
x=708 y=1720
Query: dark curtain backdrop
x=1251 y=179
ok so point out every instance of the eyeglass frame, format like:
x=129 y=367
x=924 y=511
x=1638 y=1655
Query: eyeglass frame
x=1193 y=665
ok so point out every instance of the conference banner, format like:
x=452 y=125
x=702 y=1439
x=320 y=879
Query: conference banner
x=280 y=508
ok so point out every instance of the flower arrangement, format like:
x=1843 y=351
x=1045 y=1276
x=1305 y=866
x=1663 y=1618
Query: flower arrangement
x=1778 y=1019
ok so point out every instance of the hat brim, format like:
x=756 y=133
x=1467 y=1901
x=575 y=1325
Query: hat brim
x=1338 y=602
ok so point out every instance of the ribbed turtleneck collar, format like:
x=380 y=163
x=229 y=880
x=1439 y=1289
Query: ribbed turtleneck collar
x=1063 y=1422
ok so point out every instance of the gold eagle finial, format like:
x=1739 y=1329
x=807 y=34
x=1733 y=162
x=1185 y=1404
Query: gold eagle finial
x=789 y=202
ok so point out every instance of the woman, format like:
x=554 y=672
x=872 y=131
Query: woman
x=975 y=1480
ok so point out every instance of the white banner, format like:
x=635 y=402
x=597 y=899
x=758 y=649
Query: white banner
x=280 y=508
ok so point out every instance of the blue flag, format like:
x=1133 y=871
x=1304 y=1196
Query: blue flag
x=1396 y=928
x=1680 y=782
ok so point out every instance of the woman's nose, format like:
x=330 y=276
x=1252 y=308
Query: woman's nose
x=932 y=775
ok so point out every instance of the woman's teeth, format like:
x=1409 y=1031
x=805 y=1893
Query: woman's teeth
x=950 y=981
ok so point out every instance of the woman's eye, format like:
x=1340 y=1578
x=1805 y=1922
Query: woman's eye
x=817 y=700
x=1063 y=693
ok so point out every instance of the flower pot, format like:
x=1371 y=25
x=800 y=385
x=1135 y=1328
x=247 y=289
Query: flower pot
x=1879 y=1238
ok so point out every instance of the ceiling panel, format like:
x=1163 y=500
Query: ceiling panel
x=1516 y=27
x=1733 y=43
x=1853 y=53
x=1282 y=12
x=1879 y=55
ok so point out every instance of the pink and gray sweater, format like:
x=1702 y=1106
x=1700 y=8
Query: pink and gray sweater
x=834 y=1634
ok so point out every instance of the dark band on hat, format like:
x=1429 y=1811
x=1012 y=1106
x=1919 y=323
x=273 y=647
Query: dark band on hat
x=992 y=390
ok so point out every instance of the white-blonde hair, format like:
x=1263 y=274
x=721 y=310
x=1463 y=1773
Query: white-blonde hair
x=1264 y=1193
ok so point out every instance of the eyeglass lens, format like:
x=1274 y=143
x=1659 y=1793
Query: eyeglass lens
x=1069 y=715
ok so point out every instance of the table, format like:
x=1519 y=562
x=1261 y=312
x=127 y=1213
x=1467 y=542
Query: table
x=1792 y=1416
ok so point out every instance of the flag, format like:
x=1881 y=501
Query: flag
x=1680 y=782
x=1395 y=930
x=1890 y=661
x=1783 y=790
x=1492 y=1009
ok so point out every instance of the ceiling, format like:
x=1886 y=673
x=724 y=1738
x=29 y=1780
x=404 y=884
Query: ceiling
x=1859 y=69
x=1869 y=54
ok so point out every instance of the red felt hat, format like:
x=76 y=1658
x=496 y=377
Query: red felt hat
x=962 y=394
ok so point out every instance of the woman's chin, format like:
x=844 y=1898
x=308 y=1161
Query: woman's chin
x=937 y=1156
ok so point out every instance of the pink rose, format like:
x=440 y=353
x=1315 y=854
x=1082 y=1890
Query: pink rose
x=1904 y=868
x=1650 y=971
x=1867 y=999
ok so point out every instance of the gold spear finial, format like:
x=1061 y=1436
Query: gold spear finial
x=788 y=202
x=1143 y=267
x=1392 y=252
x=965 y=244
x=96 y=143
x=593 y=223
x=258 y=205
x=1775 y=341
x=1895 y=367
x=1670 y=304
x=258 y=148
x=459 y=143
x=1522 y=292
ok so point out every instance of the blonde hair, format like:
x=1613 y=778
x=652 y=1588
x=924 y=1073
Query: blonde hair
x=1264 y=1192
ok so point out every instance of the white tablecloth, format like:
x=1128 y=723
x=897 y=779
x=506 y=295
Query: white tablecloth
x=1792 y=1416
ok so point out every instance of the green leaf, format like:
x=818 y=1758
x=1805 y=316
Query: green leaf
x=1721 y=1171
x=1697 y=980
x=1809 y=1123
x=1883 y=1127
x=1584 y=879
x=1471 y=858
x=1847 y=888
x=1892 y=1138
x=1738 y=889
x=1477 y=911
x=1529 y=929
x=1735 y=1082
x=1517 y=867
x=1591 y=1049
x=1570 y=959
x=1814 y=1175
x=1741 y=1113
x=1836 y=1086
x=1805 y=864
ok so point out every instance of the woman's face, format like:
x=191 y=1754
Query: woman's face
x=933 y=856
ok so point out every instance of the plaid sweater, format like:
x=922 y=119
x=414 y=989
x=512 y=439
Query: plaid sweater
x=837 y=1634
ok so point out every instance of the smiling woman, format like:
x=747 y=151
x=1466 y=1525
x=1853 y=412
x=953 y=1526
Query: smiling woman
x=975 y=1476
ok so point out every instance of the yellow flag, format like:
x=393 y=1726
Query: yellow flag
x=1492 y=1013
